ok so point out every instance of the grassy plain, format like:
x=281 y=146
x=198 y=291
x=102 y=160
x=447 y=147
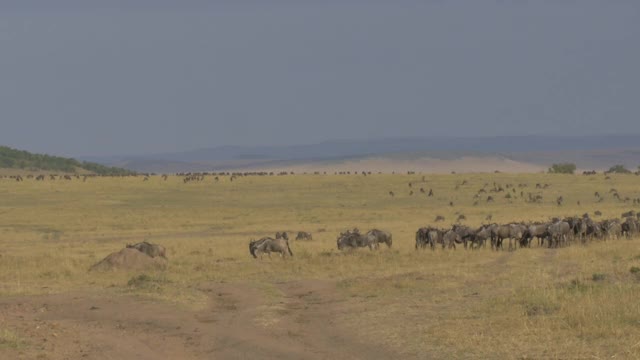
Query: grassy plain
x=575 y=302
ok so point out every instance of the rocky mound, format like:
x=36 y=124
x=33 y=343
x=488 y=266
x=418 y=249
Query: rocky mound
x=130 y=259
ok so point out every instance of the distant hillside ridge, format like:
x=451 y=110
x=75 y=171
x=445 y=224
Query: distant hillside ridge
x=19 y=159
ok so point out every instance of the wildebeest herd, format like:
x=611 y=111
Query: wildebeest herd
x=553 y=234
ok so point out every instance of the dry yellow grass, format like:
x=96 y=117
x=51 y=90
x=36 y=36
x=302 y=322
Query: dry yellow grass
x=576 y=302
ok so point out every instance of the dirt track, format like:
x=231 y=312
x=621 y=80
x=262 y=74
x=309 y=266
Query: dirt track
x=297 y=322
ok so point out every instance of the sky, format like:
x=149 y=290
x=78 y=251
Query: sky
x=134 y=77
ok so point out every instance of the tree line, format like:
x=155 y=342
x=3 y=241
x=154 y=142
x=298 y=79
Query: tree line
x=20 y=159
x=570 y=168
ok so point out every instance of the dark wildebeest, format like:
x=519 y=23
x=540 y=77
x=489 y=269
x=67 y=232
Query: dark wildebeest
x=439 y=218
x=302 y=235
x=152 y=250
x=352 y=240
x=629 y=227
x=377 y=237
x=282 y=235
x=269 y=245
x=540 y=231
x=422 y=238
x=628 y=214
x=466 y=234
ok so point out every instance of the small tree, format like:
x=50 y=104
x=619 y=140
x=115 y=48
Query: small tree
x=619 y=169
x=562 y=168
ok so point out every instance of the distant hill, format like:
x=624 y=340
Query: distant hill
x=588 y=152
x=24 y=160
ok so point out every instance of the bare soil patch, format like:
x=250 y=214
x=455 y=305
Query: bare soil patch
x=294 y=320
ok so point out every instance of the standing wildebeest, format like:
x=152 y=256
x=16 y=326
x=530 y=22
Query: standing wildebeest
x=152 y=250
x=282 y=235
x=540 y=231
x=629 y=227
x=451 y=238
x=376 y=237
x=302 y=235
x=466 y=234
x=422 y=238
x=560 y=232
x=269 y=245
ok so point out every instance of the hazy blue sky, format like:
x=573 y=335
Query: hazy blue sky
x=135 y=77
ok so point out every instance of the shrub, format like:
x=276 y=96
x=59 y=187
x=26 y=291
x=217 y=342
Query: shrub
x=619 y=169
x=562 y=168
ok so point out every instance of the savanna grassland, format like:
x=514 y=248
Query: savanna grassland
x=569 y=303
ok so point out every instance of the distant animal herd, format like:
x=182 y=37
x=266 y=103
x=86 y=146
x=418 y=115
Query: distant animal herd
x=558 y=232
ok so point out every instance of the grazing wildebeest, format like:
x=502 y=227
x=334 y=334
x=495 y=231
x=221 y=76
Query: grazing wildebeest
x=628 y=214
x=430 y=192
x=353 y=239
x=268 y=245
x=439 y=218
x=152 y=250
x=282 y=235
x=466 y=234
x=597 y=213
x=376 y=237
x=391 y=193
x=461 y=217
x=302 y=235
x=481 y=235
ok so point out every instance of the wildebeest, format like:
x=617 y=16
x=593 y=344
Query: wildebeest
x=629 y=227
x=628 y=214
x=352 y=240
x=282 y=235
x=152 y=250
x=377 y=237
x=560 y=232
x=450 y=238
x=540 y=231
x=422 y=239
x=439 y=218
x=466 y=234
x=302 y=235
x=268 y=245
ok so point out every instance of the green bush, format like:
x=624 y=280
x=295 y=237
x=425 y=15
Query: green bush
x=562 y=168
x=619 y=169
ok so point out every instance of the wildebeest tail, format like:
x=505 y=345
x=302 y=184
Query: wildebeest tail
x=390 y=240
x=288 y=248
